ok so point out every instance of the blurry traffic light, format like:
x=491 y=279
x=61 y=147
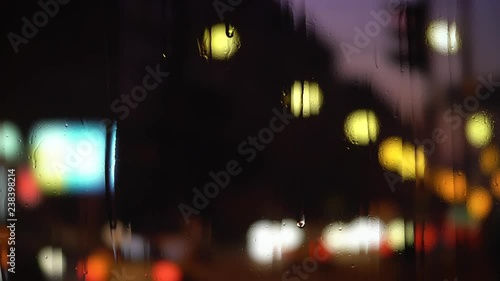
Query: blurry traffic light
x=411 y=33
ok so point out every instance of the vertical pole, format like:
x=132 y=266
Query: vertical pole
x=464 y=22
x=466 y=19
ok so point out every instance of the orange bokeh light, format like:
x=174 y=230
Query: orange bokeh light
x=488 y=159
x=450 y=186
x=479 y=203
x=166 y=271
x=99 y=266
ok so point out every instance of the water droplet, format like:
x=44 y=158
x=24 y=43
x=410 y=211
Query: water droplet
x=229 y=30
x=301 y=223
x=353 y=266
x=46 y=257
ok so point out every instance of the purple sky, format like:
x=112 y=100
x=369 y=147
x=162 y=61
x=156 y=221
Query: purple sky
x=335 y=21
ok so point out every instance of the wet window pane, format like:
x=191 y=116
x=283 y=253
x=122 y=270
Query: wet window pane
x=176 y=140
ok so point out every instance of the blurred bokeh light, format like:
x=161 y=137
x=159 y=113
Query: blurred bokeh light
x=362 y=127
x=426 y=237
x=28 y=191
x=479 y=129
x=220 y=42
x=479 y=203
x=304 y=99
x=68 y=157
x=52 y=263
x=114 y=236
x=449 y=185
x=11 y=142
x=362 y=235
x=267 y=240
x=443 y=39
x=98 y=265
x=488 y=159
x=395 y=233
x=166 y=271
x=402 y=157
